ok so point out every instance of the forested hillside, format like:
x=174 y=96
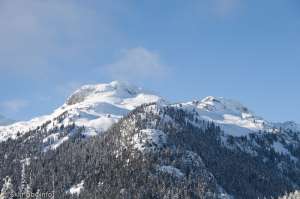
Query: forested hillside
x=155 y=151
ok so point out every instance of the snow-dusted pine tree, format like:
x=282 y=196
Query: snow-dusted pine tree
x=294 y=195
x=23 y=184
x=7 y=191
x=28 y=190
x=53 y=187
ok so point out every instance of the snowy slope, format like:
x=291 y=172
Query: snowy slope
x=96 y=107
x=289 y=125
x=233 y=117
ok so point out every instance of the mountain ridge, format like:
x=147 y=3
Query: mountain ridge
x=99 y=106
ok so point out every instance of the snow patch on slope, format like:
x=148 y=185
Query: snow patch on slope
x=56 y=143
x=171 y=170
x=279 y=148
x=149 y=139
x=76 y=189
x=12 y=131
x=289 y=126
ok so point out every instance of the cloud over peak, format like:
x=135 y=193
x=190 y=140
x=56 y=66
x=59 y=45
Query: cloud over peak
x=137 y=64
x=225 y=8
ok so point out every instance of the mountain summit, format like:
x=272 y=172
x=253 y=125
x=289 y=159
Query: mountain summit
x=112 y=92
x=233 y=117
x=96 y=107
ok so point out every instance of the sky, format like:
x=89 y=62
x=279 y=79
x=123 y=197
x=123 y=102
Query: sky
x=182 y=50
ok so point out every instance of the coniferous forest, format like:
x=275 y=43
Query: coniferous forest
x=185 y=161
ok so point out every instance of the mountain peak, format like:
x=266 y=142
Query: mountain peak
x=232 y=116
x=114 y=89
x=224 y=105
x=96 y=107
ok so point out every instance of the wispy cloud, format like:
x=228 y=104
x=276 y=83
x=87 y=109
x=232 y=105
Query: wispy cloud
x=224 y=8
x=137 y=64
x=221 y=9
x=13 y=106
x=33 y=33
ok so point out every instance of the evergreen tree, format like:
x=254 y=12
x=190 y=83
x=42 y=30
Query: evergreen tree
x=7 y=191
x=23 y=184
x=28 y=191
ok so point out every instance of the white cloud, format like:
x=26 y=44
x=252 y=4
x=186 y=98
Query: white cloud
x=225 y=8
x=137 y=64
x=14 y=105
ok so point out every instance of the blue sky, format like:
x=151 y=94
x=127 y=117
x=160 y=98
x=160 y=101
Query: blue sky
x=183 y=50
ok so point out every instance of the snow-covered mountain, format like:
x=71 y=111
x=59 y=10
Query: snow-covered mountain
x=4 y=121
x=233 y=117
x=252 y=143
x=211 y=148
x=96 y=107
